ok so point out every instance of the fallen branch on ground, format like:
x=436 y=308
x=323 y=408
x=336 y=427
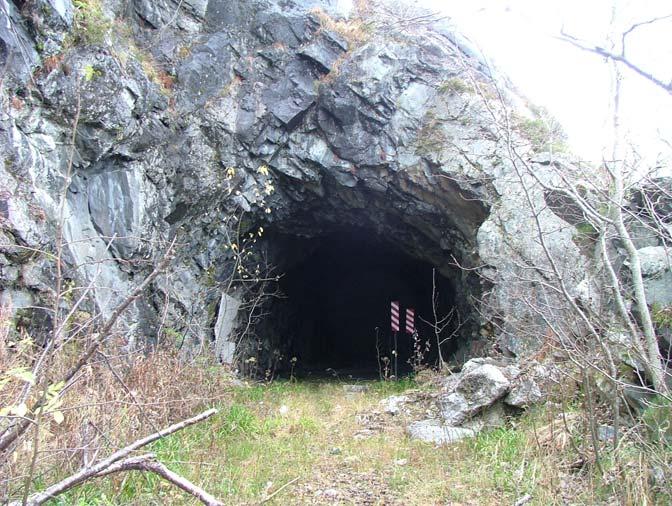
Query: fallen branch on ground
x=148 y=463
x=119 y=461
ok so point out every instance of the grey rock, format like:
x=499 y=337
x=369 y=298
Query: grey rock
x=283 y=28
x=112 y=100
x=432 y=431
x=355 y=389
x=490 y=418
x=643 y=235
x=293 y=94
x=325 y=50
x=8 y=273
x=638 y=398
x=16 y=299
x=654 y=260
x=660 y=477
x=158 y=13
x=532 y=384
x=61 y=8
x=624 y=348
x=205 y=72
x=606 y=433
x=509 y=370
x=477 y=388
x=657 y=273
x=17 y=52
x=116 y=208
x=524 y=393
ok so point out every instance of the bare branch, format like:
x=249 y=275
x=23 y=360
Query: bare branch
x=620 y=58
x=149 y=463
x=12 y=433
x=102 y=467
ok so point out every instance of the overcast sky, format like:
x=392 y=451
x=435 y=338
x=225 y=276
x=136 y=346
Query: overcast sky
x=520 y=37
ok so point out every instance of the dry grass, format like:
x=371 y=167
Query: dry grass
x=356 y=30
x=115 y=400
x=326 y=444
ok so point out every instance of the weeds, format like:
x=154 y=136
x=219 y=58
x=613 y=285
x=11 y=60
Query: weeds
x=90 y=26
x=115 y=399
x=306 y=434
x=355 y=30
x=454 y=85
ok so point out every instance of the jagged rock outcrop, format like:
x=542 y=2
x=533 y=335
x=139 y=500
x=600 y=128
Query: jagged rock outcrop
x=203 y=110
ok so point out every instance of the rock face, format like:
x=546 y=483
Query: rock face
x=242 y=116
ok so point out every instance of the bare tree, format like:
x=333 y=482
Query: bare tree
x=440 y=323
x=598 y=202
x=619 y=56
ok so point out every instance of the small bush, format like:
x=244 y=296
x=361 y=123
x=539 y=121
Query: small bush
x=454 y=86
x=542 y=130
x=90 y=26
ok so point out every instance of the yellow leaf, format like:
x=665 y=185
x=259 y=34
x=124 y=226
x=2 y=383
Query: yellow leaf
x=58 y=417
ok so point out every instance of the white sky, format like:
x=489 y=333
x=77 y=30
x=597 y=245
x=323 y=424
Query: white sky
x=519 y=36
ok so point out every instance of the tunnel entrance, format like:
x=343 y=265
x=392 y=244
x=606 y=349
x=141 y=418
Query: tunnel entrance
x=334 y=313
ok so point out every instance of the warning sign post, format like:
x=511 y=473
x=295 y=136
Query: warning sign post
x=394 y=320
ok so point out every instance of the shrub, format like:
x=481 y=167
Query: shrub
x=91 y=26
x=542 y=130
x=454 y=85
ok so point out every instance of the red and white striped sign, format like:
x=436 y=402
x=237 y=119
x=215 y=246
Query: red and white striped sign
x=395 y=316
x=410 y=320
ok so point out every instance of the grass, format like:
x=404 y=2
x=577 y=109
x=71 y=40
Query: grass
x=268 y=435
x=329 y=445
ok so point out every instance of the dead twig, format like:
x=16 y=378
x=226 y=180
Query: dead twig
x=269 y=497
x=118 y=461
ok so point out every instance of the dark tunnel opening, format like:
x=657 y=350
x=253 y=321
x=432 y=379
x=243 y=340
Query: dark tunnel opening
x=334 y=316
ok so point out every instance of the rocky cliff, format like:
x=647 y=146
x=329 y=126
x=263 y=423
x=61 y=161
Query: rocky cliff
x=242 y=129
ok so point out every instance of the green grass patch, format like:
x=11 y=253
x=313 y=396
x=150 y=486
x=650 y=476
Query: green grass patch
x=394 y=387
x=265 y=436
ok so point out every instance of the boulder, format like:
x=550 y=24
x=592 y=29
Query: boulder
x=489 y=418
x=479 y=387
x=533 y=384
x=524 y=393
